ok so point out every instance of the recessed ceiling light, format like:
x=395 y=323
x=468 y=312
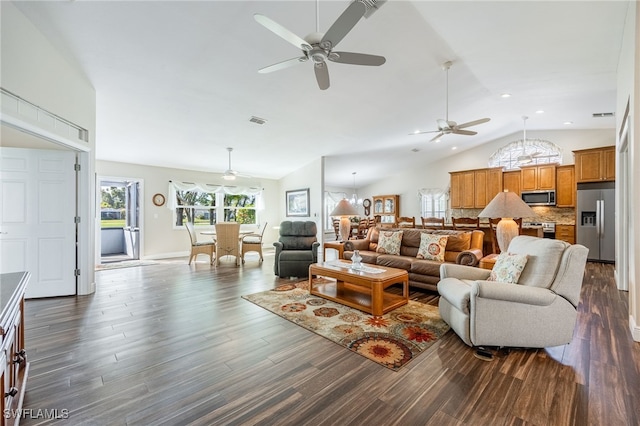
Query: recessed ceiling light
x=454 y=147
x=505 y=95
x=568 y=122
x=437 y=140
x=539 y=111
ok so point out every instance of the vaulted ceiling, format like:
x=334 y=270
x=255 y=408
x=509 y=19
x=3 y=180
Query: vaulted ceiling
x=178 y=82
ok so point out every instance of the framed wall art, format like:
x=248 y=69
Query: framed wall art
x=298 y=202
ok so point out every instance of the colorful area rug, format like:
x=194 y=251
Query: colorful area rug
x=392 y=340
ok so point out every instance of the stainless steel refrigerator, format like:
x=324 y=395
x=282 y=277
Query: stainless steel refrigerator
x=595 y=227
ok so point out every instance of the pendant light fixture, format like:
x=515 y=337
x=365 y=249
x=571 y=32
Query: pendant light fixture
x=524 y=158
x=355 y=201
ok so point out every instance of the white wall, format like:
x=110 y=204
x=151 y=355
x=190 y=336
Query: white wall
x=160 y=238
x=406 y=183
x=307 y=176
x=628 y=92
x=34 y=70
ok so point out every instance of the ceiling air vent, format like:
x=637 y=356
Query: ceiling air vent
x=372 y=6
x=257 y=120
x=603 y=114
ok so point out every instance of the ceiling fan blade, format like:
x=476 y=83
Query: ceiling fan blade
x=322 y=75
x=428 y=131
x=473 y=123
x=357 y=58
x=344 y=23
x=284 y=64
x=281 y=31
x=438 y=136
x=464 y=132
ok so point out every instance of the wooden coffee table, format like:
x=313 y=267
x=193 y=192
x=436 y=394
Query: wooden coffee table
x=360 y=289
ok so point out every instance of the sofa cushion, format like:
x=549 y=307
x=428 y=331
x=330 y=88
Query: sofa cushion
x=459 y=242
x=389 y=242
x=395 y=261
x=432 y=247
x=508 y=267
x=426 y=267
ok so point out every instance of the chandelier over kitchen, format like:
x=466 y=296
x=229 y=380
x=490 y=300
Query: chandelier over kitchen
x=355 y=201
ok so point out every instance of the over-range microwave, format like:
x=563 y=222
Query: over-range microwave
x=539 y=198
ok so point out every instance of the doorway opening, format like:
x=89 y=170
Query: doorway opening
x=119 y=219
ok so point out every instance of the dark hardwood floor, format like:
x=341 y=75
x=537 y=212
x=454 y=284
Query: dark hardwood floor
x=175 y=344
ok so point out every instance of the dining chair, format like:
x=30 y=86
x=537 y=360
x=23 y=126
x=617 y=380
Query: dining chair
x=199 y=247
x=363 y=227
x=465 y=222
x=406 y=222
x=432 y=222
x=228 y=241
x=253 y=242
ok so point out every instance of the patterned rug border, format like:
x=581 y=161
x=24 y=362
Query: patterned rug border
x=392 y=340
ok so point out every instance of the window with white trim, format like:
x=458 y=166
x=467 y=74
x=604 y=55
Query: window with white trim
x=433 y=202
x=331 y=199
x=526 y=152
x=205 y=204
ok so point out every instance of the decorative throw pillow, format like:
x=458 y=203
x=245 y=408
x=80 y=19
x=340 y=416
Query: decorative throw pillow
x=432 y=247
x=389 y=242
x=508 y=268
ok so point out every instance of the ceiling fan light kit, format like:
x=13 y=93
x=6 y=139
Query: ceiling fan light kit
x=318 y=46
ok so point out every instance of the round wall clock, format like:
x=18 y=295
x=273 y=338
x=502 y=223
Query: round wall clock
x=366 y=203
x=158 y=200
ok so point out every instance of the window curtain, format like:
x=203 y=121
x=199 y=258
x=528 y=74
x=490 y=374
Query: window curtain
x=336 y=196
x=174 y=186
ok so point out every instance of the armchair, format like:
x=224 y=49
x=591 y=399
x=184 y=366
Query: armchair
x=296 y=249
x=539 y=311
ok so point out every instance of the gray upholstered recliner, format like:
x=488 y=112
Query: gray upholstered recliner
x=539 y=311
x=296 y=249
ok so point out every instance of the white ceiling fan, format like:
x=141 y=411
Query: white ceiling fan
x=446 y=127
x=319 y=47
x=231 y=174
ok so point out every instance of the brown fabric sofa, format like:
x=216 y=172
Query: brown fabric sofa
x=463 y=248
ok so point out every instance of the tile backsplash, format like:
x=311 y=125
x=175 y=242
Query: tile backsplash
x=560 y=215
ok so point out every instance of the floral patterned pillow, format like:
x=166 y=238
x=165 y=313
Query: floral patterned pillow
x=508 y=268
x=432 y=247
x=389 y=242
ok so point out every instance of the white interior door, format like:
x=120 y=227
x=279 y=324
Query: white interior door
x=37 y=222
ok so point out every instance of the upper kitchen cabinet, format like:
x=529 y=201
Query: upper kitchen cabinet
x=475 y=188
x=511 y=181
x=565 y=186
x=595 y=164
x=538 y=177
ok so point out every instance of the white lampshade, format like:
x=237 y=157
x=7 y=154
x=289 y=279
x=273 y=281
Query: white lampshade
x=344 y=210
x=506 y=205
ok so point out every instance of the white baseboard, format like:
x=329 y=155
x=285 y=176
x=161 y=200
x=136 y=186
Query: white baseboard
x=159 y=256
x=635 y=329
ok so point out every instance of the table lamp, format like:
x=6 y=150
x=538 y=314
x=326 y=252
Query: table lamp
x=344 y=210
x=506 y=205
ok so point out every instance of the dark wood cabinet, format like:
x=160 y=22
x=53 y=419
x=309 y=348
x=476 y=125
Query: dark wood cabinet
x=13 y=356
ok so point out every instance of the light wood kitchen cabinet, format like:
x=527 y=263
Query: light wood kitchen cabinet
x=462 y=189
x=387 y=207
x=565 y=186
x=538 y=177
x=475 y=188
x=595 y=164
x=511 y=181
x=566 y=233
